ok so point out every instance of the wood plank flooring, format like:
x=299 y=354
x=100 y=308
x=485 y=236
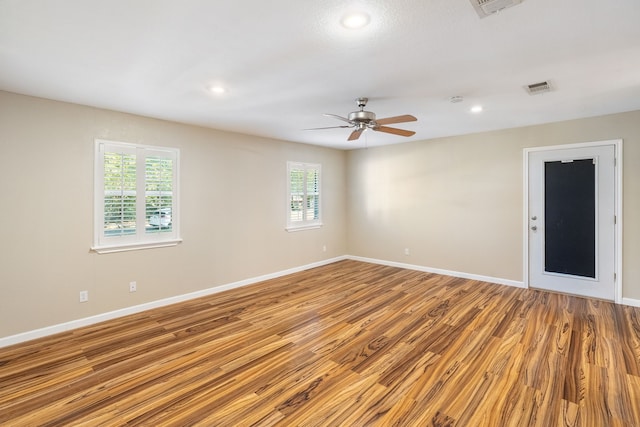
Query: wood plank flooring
x=348 y=344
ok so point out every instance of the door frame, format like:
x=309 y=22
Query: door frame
x=617 y=256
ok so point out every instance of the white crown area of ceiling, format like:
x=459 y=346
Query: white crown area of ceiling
x=279 y=65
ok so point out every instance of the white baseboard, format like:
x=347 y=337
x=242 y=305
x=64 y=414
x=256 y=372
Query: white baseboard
x=496 y=280
x=625 y=301
x=74 y=324
x=631 y=302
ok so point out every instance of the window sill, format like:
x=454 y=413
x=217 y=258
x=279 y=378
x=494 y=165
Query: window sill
x=135 y=246
x=292 y=228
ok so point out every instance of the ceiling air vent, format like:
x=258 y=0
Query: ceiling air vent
x=485 y=8
x=538 y=88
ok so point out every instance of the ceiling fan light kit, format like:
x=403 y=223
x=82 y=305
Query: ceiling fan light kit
x=362 y=120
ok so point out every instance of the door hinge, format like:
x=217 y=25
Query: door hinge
x=615 y=219
x=615 y=277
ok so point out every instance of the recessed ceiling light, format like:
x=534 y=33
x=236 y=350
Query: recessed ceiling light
x=218 y=90
x=355 y=20
x=476 y=109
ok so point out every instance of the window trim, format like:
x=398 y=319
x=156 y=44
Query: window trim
x=304 y=224
x=133 y=242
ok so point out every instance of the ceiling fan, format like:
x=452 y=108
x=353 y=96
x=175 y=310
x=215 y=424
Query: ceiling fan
x=363 y=120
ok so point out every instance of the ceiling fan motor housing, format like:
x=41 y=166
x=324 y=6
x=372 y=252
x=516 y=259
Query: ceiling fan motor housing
x=362 y=116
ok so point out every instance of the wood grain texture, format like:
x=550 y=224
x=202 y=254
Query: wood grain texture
x=348 y=344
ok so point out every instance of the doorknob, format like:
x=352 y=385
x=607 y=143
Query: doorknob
x=534 y=228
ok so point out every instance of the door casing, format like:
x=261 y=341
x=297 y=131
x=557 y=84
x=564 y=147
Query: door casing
x=617 y=143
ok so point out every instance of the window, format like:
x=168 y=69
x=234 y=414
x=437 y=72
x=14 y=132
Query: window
x=136 y=196
x=303 y=198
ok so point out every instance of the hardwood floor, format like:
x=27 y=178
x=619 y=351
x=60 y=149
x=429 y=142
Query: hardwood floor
x=348 y=344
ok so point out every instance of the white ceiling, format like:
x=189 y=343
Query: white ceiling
x=285 y=62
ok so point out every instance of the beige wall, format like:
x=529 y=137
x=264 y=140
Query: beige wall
x=233 y=205
x=457 y=203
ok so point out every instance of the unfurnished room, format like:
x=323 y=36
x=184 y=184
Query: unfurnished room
x=338 y=213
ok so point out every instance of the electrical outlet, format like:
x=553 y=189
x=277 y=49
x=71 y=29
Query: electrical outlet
x=324 y=248
x=84 y=296
x=406 y=251
x=133 y=286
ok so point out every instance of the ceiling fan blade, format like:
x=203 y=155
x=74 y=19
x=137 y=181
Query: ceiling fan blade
x=396 y=119
x=335 y=116
x=355 y=134
x=394 y=131
x=330 y=127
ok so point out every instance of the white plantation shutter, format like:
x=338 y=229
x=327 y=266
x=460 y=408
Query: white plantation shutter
x=158 y=194
x=119 y=193
x=136 y=196
x=303 y=198
x=296 y=194
x=313 y=194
